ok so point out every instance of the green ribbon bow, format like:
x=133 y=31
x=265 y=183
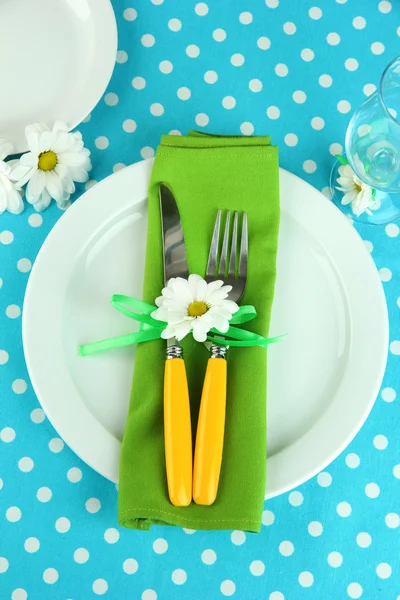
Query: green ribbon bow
x=152 y=329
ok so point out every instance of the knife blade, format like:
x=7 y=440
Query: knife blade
x=177 y=424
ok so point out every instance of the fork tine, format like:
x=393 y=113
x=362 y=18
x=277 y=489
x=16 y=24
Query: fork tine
x=232 y=259
x=224 y=252
x=212 y=257
x=244 y=248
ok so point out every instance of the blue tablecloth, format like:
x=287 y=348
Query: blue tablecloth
x=293 y=70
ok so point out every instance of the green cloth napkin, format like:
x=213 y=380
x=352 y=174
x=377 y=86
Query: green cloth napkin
x=206 y=173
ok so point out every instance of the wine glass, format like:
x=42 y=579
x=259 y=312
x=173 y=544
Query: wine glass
x=373 y=151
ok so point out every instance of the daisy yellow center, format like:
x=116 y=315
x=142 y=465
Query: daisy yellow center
x=47 y=160
x=196 y=309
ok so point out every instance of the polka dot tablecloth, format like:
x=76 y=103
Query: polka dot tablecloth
x=294 y=70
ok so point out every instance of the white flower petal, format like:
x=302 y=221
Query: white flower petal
x=60 y=127
x=46 y=141
x=79 y=174
x=72 y=159
x=182 y=329
x=35 y=185
x=199 y=333
x=201 y=290
x=349 y=197
x=15 y=204
x=192 y=280
x=54 y=185
x=29 y=159
x=183 y=291
x=6 y=148
x=221 y=324
x=160 y=314
x=43 y=201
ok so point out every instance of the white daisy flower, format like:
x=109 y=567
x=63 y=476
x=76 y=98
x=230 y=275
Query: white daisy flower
x=10 y=198
x=194 y=305
x=56 y=160
x=356 y=192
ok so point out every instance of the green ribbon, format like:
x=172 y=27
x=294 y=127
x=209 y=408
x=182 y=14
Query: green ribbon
x=151 y=329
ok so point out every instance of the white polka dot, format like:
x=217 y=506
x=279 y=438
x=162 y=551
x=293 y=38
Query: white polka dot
x=184 y=93
x=307 y=54
x=147 y=152
x=327 y=192
x=130 y=14
x=237 y=60
x=175 y=24
x=101 y=142
x=268 y=517
x=238 y=537
x=392 y=520
x=255 y=85
x=229 y=102
x=384 y=7
x=335 y=559
x=118 y=167
x=317 y=123
x=363 y=129
x=81 y=556
x=296 y=498
x=130 y=566
x=7 y=434
x=3 y=564
x=315 y=13
x=44 y=494
x=219 y=35
x=286 y=548
x=100 y=586
x=50 y=576
x=111 y=99
x=4 y=356
x=281 y=70
x=111 y=535
x=148 y=40
x=202 y=120
x=369 y=88
x=335 y=148
x=89 y=184
x=87 y=118
x=343 y=106
x=63 y=524
x=380 y=442
x=13 y=311
x=25 y=464
x=208 y=557
x=291 y=139
x=264 y=43
x=396 y=471
x=276 y=596
x=343 y=509
x=37 y=415
x=160 y=546
x=363 y=539
x=299 y=97
x=13 y=514
x=359 y=22
x=179 y=576
x=247 y=128
x=392 y=230
x=210 y=77
x=306 y=579
x=19 y=594
x=157 y=2
x=139 y=83
x=372 y=490
x=24 y=265
x=74 y=475
x=309 y=166
x=122 y=57
x=385 y=274
x=149 y=595
x=352 y=460
x=377 y=48
x=333 y=38
x=201 y=9
x=93 y=505
x=166 y=67
x=188 y=531
x=351 y=64
x=354 y=590
x=272 y=3
x=388 y=394
x=273 y=112
x=35 y=220
x=6 y=237
x=228 y=587
x=257 y=568
x=245 y=18
x=157 y=109
x=315 y=528
x=31 y=545
x=395 y=347
x=19 y=386
x=369 y=245
x=324 y=479
x=325 y=80
x=192 y=51
x=384 y=570
x=289 y=28
x=56 y=445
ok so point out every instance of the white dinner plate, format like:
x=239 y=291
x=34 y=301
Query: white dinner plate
x=57 y=57
x=322 y=380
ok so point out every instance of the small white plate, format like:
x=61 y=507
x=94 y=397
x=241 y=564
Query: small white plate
x=57 y=57
x=322 y=380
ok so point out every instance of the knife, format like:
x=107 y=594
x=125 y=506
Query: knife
x=177 y=425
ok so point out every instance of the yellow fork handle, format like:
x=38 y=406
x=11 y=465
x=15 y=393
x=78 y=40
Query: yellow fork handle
x=177 y=432
x=210 y=433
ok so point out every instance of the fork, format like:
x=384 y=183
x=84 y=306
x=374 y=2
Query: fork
x=211 y=422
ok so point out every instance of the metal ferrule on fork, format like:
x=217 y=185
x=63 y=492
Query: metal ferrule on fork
x=217 y=351
x=174 y=351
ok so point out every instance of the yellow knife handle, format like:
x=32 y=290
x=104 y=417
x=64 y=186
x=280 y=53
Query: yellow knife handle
x=177 y=432
x=210 y=433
